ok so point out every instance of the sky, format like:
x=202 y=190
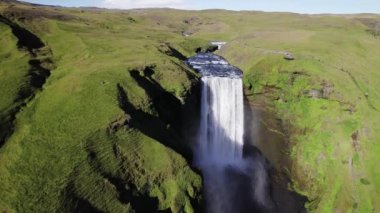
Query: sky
x=298 y=6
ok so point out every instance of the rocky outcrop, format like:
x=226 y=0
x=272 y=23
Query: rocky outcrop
x=288 y=56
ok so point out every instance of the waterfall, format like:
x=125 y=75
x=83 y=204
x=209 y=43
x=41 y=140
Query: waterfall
x=220 y=139
x=232 y=182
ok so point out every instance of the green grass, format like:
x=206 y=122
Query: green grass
x=47 y=165
x=79 y=98
x=132 y=169
x=327 y=166
x=13 y=72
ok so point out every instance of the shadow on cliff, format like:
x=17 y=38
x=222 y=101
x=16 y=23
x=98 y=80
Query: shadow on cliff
x=172 y=52
x=167 y=105
x=168 y=126
x=231 y=184
x=263 y=138
x=249 y=185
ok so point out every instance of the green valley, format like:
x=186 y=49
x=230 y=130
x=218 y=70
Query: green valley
x=98 y=109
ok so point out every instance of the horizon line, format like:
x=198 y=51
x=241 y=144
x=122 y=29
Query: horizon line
x=194 y=9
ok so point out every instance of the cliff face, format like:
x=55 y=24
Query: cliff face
x=109 y=127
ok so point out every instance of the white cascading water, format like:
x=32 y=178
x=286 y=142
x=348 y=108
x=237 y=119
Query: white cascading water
x=220 y=139
x=232 y=183
x=222 y=121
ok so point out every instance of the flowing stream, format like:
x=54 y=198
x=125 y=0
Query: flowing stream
x=233 y=182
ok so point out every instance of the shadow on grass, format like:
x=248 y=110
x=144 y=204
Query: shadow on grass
x=172 y=52
x=92 y=184
x=25 y=38
x=148 y=124
x=35 y=79
x=166 y=127
x=175 y=53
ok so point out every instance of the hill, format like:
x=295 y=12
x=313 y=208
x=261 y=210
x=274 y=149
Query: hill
x=97 y=108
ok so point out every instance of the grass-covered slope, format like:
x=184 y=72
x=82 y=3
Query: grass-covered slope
x=75 y=146
x=14 y=67
x=328 y=99
x=103 y=133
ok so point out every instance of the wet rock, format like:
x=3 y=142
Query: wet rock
x=207 y=49
x=198 y=50
x=208 y=64
x=212 y=48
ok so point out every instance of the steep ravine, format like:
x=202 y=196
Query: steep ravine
x=40 y=64
x=265 y=134
x=124 y=180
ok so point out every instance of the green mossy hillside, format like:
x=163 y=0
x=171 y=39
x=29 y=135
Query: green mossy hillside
x=104 y=132
x=126 y=171
x=329 y=110
x=72 y=147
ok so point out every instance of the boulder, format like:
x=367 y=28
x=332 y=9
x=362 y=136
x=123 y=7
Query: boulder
x=186 y=34
x=288 y=56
